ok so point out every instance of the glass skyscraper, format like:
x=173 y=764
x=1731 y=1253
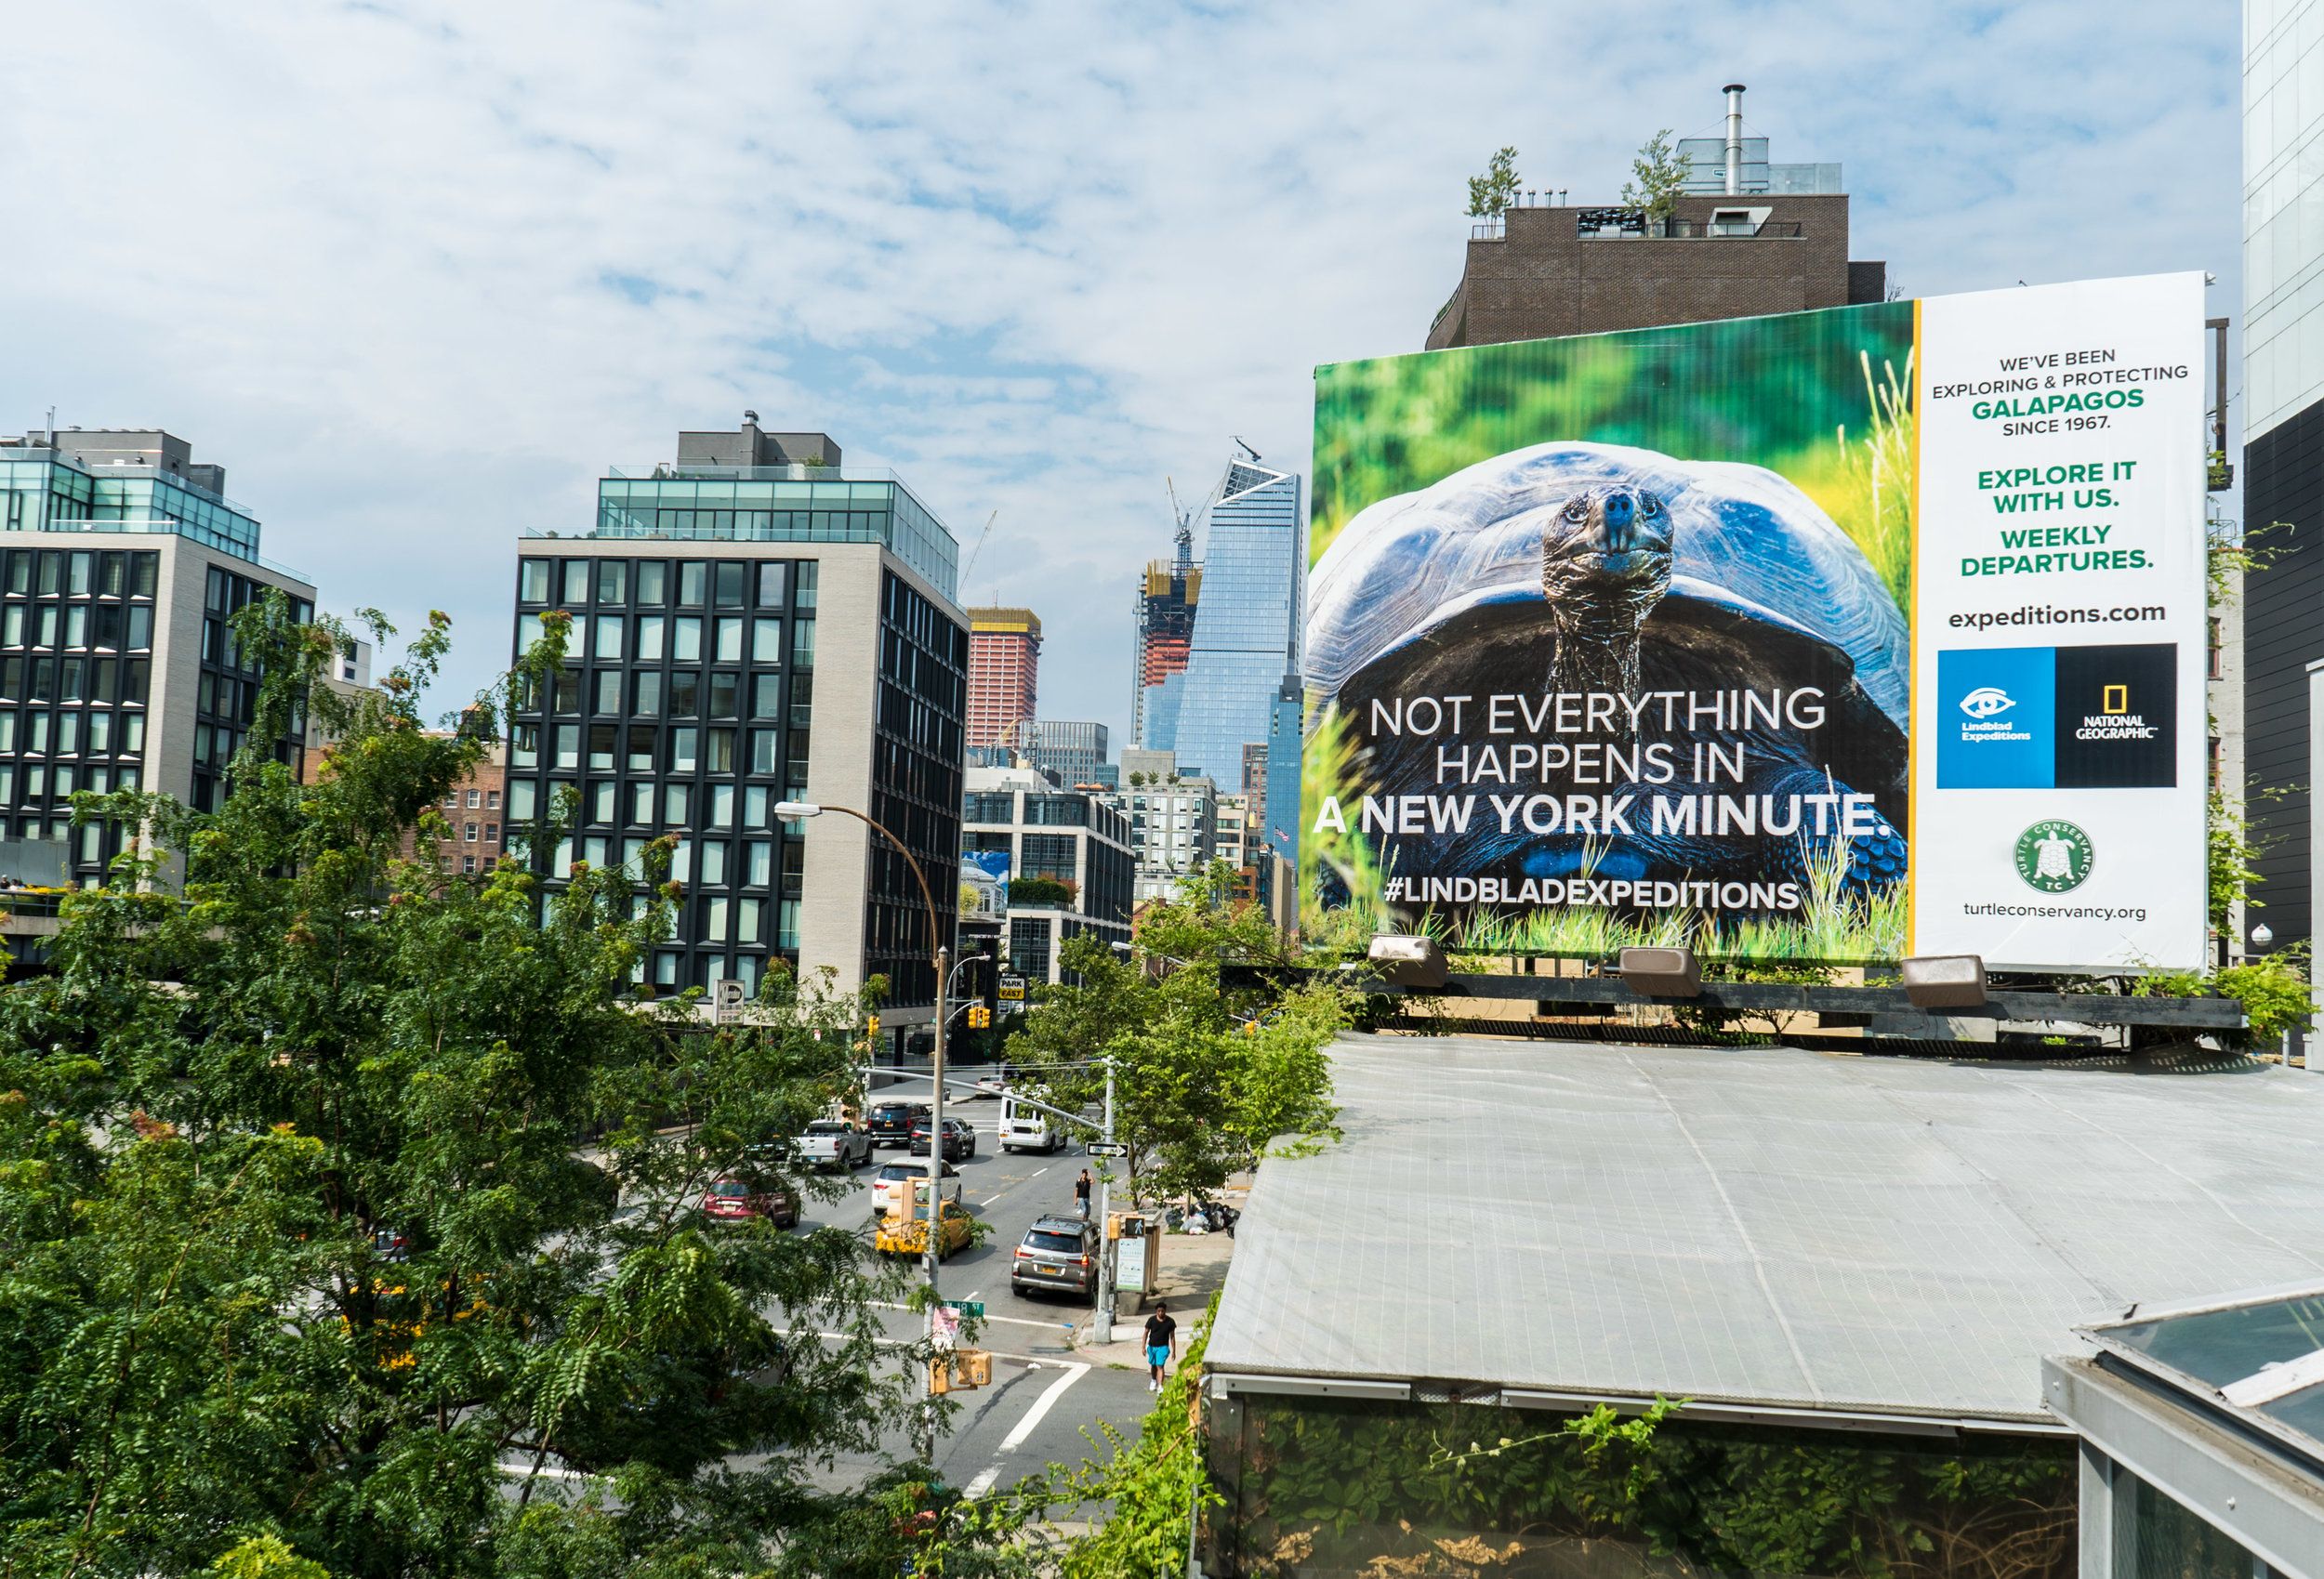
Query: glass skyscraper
x=1246 y=627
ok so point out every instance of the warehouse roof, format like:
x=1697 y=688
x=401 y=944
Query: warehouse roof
x=1764 y=1226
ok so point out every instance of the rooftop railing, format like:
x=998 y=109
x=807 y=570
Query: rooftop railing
x=139 y=469
x=1631 y=225
x=1691 y=229
x=163 y=525
x=670 y=471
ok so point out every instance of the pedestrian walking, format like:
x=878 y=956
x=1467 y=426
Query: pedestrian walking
x=1161 y=1345
x=1081 y=1195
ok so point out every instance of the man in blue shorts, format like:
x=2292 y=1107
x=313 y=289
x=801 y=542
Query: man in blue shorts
x=1161 y=1345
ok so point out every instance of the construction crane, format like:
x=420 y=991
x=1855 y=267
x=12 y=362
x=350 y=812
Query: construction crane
x=1185 y=537
x=980 y=546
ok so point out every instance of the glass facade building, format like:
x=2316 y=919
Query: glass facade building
x=1245 y=636
x=726 y=654
x=1075 y=751
x=122 y=567
x=43 y=491
x=787 y=503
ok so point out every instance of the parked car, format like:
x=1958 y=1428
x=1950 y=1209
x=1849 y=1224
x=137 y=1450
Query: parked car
x=1056 y=1252
x=900 y=1235
x=959 y=1139
x=740 y=1199
x=834 y=1143
x=886 y=1187
x=890 y=1122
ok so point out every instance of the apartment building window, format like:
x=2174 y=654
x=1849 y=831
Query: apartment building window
x=2215 y=664
x=468 y=833
x=492 y=799
x=467 y=865
x=492 y=833
x=474 y=799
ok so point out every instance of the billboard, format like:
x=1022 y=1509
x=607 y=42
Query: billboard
x=1838 y=634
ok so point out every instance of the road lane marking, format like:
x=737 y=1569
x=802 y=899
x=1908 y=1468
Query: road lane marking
x=983 y=1480
x=1041 y=1406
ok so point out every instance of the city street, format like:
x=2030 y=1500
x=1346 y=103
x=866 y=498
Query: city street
x=1043 y=1393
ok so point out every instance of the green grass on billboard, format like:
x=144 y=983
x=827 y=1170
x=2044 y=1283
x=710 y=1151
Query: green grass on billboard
x=1823 y=398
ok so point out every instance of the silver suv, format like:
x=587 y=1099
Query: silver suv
x=1060 y=1253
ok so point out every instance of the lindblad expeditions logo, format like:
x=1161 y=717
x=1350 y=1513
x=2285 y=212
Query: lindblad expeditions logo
x=1986 y=701
x=2053 y=856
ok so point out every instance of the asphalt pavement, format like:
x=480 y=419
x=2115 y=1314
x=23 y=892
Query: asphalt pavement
x=1044 y=1394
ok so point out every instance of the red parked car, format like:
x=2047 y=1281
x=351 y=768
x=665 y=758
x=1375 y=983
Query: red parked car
x=738 y=1200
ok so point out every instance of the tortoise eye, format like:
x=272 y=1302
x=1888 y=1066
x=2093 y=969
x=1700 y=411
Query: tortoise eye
x=1649 y=505
x=1577 y=509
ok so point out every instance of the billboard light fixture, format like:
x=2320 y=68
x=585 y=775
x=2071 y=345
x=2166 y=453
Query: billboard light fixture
x=1408 y=960
x=1945 y=981
x=1662 y=973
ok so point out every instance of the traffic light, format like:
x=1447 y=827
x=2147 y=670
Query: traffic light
x=871 y=1025
x=979 y=1016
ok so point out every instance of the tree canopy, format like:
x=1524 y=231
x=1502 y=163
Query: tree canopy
x=1206 y=1078
x=1658 y=177
x=1495 y=192
x=349 y=1208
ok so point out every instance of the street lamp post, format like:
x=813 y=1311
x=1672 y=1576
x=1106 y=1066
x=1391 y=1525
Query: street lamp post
x=1108 y=1304
x=933 y=1246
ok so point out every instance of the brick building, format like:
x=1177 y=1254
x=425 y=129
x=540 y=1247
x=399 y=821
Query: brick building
x=475 y=808
x=1004 y=673
x=1546 y=272
x=1747 y=238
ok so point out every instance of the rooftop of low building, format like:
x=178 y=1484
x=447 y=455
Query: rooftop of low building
x=1760 y=1228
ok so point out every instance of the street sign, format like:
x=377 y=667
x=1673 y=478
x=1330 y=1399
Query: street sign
x=1109 y=1147
x=730 y=1000
x=1012 y=990
x=972 y=1309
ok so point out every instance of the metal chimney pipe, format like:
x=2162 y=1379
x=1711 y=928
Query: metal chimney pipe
x=1734 y=91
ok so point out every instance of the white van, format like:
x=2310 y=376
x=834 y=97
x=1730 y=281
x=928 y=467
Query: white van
x=1024 y=1128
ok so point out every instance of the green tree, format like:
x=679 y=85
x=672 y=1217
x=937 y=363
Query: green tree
x=349 y=1211
x=2230 y=868
x=1207 y=1078
x=1657 y=178
x=1491 y=194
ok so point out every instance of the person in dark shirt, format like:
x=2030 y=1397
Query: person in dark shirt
x=1161 y=1345
x=1081 y=1195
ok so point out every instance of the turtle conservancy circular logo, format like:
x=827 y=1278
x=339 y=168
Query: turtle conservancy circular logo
x=2053 y=856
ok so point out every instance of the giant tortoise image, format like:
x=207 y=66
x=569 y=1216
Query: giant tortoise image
x=1581 y=568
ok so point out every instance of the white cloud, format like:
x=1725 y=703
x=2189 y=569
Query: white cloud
x=1036 y=255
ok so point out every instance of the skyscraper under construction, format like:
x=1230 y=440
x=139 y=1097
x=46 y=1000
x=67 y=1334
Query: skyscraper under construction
x=1165 y=632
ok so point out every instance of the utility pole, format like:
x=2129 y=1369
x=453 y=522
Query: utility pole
x=1105 y=1237
x=934 y=1247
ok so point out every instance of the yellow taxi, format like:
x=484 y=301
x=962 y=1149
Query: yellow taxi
x=902 y=1235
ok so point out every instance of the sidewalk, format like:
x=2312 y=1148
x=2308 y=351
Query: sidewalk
x=1193 y=1269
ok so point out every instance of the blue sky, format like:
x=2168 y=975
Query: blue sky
x=416 y=272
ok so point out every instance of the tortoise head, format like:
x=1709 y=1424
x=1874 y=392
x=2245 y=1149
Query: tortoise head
x=1607 y=546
